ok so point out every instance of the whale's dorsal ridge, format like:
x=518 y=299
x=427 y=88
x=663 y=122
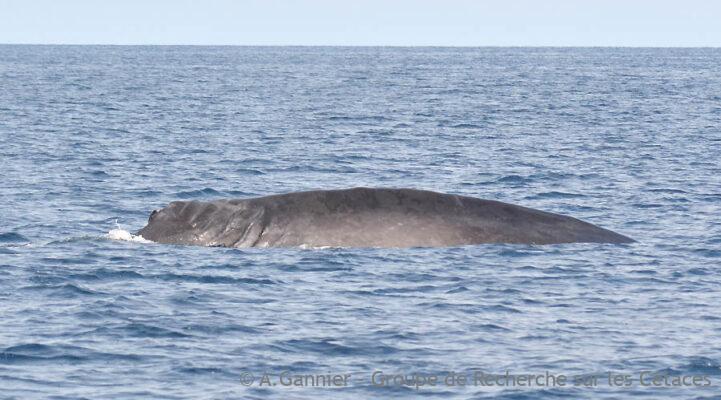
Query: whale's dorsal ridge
x=365 y=217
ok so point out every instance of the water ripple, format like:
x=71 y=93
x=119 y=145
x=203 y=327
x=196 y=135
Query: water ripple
x=95 y=137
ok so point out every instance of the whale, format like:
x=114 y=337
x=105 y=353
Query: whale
x=365 y=217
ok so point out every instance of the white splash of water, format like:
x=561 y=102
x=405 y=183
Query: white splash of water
x=121 y=234
x=305 y=246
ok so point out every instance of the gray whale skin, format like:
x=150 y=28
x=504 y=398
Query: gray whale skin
x=364 y=217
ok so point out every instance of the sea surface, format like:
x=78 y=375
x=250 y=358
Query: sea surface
x=92 y=138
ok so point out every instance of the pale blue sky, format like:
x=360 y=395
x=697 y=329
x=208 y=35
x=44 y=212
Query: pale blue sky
x=364 y=22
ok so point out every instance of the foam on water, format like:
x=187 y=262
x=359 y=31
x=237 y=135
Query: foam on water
x=122 y=234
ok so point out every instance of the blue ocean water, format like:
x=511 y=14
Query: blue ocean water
x=93 y=138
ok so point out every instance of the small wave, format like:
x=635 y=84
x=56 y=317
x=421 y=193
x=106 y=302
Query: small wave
x=305 y=246
x=555 y=195
x=122 y=234
x=207 y=192
x=69 y=239
x=465 y=125
x=250 y=171
x=98 y=173
x=702 y=365
x=214 y=279
x=13 y=239
x=517 y=179
x=138 y=329
x=42 y=354
x=106 y=274
x=217 y=329
x=240 y=193
x=330 y=347
x=459 y=289
x=359 y=118
x=491 y=328
x=668 y=190
x=64 y=291
x=212 y=371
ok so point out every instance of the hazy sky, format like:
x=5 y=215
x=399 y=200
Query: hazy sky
x=364 y=22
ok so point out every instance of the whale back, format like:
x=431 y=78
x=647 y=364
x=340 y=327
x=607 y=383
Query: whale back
x=365 y=217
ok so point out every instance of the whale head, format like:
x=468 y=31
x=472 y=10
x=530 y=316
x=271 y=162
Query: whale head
x=172 y=224
x=219 y=223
